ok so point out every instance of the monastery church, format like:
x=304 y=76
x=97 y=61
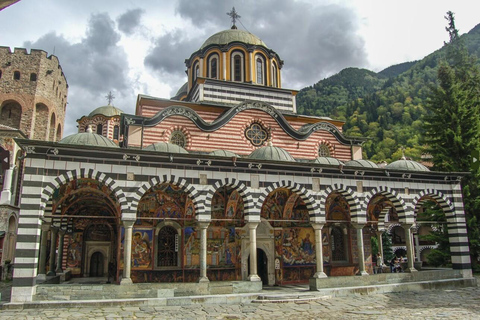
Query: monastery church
x=224 y=182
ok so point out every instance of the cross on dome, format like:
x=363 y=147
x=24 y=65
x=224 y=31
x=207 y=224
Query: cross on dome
x=110 y=97
x=234 y=15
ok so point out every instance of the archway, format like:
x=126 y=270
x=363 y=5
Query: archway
x=97 y=264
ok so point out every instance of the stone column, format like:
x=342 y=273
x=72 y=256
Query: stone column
x=53 y=246
x=224 y=55
x=319 y=250
x=380 y=243
x=408 y=242
x=42 y=261
x=127 y=251
x=252 y=65
x=361 y=253
x=253 y=276
x=6 y=195
x=417 y=246
x=60 y=251
x=203 y=251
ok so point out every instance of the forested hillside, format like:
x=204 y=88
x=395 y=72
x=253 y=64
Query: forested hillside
x=388 y=106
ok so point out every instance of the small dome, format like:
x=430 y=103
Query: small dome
x=166 y=147
x=88 y=139
x=233 y=35
x=182 y=91
x=223 y=153
x=107 y=111
x=328 y=161
x=361 y=163
x=271 y=153
x=406 y=165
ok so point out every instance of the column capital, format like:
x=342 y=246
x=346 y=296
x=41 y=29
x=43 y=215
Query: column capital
x=408 y=225
x=358 y=225
x=253 y=225
x=128 y=223
x=203 y=224
x=317 y=226
x=45 y=226
x=62 y=232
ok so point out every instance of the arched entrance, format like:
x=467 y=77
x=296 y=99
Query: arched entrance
x=262 y=266
x=96 y=265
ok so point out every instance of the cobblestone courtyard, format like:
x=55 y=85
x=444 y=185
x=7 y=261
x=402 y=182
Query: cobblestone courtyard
x=461 y=303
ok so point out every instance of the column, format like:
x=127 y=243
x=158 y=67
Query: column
x=380 y=243
x=60 y=251
x=42 y=261
x=53 y=246
x=6 y=195
x=417 y=246
x=361 y=253
x=224 y=54
x=203 y=251
x=252 y=64
x=408 y=242
x=252 y=226
x=127 y=251
x=319 y=250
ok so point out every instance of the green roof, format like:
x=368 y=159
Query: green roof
x=328 y=161
x=108 y=111
x=166 y=147
x=88 y=139
x=223 y=153
x=271 y=153
x=406 y=165
x=361 y=163
x=233 y=35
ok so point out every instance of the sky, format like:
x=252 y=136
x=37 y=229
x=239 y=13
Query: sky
x=133 y=47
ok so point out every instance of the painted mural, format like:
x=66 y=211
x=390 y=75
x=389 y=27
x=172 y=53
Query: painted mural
x=142 y=254
x=74 y=253
x=294 y=238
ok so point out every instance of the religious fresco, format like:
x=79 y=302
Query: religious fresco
x=191 y=248
x=294 y=238
x=74 y=253
x=142 y=248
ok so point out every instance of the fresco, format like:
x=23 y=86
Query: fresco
x=142 y=249
x=74 y=253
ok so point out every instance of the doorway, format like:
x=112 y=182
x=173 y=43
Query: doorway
x=96 y=265
x=262 y=266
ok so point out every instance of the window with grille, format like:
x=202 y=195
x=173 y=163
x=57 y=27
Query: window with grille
x=178 y=138
x=167 y=246
x=116 y=131
x=338 y=244
x=323 y=150
x=256 y=134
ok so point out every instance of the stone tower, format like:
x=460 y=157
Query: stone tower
x=33 y=93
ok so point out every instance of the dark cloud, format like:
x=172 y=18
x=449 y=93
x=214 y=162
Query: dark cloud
x=130 y=20
x=93 y=67
x=167 y=57
x=313 y=40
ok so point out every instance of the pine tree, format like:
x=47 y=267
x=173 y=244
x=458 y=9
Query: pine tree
x=452 y=131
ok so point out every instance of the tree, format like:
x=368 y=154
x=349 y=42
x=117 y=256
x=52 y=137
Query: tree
x=453 y=128
x=440 y=256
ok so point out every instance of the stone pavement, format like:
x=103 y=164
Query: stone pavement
x=461 y=303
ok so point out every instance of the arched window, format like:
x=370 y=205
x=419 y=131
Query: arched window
x=178 y=138
x=167 y=247
x=260 y=69
x=99 y=129
x=338 y=244
x=116 y=132
x=274 y=75
x=323 y=150
x=237 y=67
x=213 y=66
x=33 y=77
x=195 y=72
x=16 y=75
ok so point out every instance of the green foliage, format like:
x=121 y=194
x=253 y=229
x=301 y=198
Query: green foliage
x=387 y=247
x=374 y=243
x=434 y=214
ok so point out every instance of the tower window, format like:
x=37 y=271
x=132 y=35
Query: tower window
x=196 y=73
x=33 y=77
x=99 y=129
x=116 y=130
x=213 y=67
x=274 y=75
x=16 y=75
x=178 y=138
x=259 y=71
x=237 y=67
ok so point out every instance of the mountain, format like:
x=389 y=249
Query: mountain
x=387 y=106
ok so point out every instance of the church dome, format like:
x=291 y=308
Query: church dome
x=328 y=161
x=223 y=153
x=361 y=163
x=107 y=111
x=88 y=139
x=233 y=35
x=181 y=92
x=406 y=165
x=271 y=153
x=166 y=147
